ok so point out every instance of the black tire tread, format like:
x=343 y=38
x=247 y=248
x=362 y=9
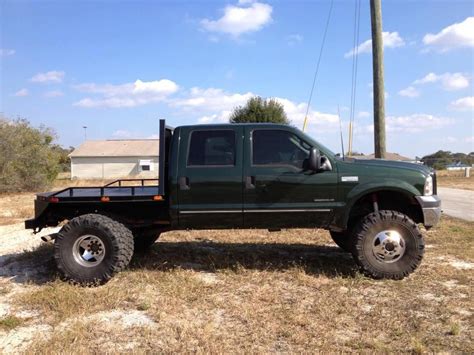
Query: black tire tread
x=122 y=243
x=363 y=227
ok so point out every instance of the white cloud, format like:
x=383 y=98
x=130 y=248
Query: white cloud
x=390 y=40
x=4 y=52
x=449 y=81
x=21 y=93
x=53 y=76
x=409 y=92
x=294 y=39
x=458 y=35
x=418 y=122
x=216 y=106
x=364 y=114
x=126 y=95
x=463 y=104
x=469 y=139
x=245 y=17
x=211 y=100
x=53 y=93
x=316 y=120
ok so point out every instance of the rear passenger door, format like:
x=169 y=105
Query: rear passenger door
x=210 y=177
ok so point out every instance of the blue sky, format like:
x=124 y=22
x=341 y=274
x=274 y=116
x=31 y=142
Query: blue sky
x=117 y=67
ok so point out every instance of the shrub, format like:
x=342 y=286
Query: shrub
x=28 y=159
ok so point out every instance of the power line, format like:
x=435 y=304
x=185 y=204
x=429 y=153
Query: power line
x=317 y=65
x=355 y=60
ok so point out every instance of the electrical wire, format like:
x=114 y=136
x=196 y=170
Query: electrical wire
x=317 y=65
x=355 y=58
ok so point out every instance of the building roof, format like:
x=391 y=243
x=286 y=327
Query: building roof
x=388 y=156
x=118 y=148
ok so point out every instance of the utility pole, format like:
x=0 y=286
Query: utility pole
x=379 y=91
x=85 y=132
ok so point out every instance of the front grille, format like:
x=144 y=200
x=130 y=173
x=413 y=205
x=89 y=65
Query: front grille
x=435 y=184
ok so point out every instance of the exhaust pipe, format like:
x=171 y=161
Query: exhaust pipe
x=49 y=238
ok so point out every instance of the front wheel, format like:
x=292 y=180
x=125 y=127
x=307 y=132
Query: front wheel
x=388 y=245
x=92 y=248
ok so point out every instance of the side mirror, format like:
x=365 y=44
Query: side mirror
x=314 y=161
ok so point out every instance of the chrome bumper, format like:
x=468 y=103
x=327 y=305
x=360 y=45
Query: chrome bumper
x=431 y=207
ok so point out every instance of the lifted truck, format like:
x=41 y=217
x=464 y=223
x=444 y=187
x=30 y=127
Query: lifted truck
x=246 y=176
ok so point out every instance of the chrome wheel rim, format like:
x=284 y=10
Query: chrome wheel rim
x=388 y=246
x=88 y=250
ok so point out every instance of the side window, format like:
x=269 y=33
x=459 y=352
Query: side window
x=216 y=147
x=277 y=147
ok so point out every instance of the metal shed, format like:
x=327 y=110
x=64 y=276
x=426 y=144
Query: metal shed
x=110 y=159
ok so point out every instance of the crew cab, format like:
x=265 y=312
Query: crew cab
x=245 y=176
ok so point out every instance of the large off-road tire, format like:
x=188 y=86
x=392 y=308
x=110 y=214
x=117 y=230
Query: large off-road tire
x=387 y=245
x=92 y=248
x=343 y=240
x=143 y=239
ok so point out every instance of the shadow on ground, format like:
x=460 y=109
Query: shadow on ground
x=38 y=266
x=209 y=256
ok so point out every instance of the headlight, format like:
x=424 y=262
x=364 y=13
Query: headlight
x=428 y=190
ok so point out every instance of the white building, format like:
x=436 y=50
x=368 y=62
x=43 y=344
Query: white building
x=112 y=159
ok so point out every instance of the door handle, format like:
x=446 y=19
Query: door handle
x=250 y=182
x=184 y=183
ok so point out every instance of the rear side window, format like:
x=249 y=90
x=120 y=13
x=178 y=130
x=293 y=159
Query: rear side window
x=278 y=148
x=212 y=148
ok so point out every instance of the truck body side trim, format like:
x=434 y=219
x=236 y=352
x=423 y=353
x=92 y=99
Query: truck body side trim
x=256 y=211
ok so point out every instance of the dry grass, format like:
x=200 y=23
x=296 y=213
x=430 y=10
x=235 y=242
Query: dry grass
x=9 y=322
x=455 y=179
x=14 y=208
x=256 y=291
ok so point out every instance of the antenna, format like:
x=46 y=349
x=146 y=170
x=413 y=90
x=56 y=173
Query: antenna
x=340 y=128
x=85 y=132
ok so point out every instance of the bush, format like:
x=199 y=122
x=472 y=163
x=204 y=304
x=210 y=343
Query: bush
x=28 y=158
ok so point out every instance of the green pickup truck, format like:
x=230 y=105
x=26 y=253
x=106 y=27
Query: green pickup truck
x=245 y=176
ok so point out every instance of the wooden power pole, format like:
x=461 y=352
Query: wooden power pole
x=379 y=91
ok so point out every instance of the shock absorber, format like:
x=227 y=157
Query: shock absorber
x=375 y=203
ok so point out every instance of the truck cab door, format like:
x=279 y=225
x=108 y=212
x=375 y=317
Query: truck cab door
x=279 y=191
x=210 y=177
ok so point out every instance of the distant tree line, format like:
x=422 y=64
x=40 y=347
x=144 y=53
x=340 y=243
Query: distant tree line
x=441 y=159
x=29 y=158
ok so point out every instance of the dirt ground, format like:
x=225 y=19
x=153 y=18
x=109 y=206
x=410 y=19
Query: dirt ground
x=239 y=291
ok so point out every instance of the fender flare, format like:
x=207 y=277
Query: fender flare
x=362 y=190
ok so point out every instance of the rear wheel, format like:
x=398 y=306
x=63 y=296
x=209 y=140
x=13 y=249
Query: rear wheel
x=343 y=240
x=143 y=239
x=388 y=244
x=92 y=248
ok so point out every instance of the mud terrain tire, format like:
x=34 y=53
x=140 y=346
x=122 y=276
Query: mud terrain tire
x=387 y=245
x=92 y=248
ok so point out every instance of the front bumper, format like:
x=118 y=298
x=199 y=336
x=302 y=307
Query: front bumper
x=431 y=207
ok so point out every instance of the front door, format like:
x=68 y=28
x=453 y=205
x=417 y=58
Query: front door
x=278 y=190
x=210 y=177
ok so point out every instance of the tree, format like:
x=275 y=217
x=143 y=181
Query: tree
x=28 y=160
x=441 y=159
x=260 y=110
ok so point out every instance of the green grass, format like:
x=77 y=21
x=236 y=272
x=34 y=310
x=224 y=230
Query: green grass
x=10 y=322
